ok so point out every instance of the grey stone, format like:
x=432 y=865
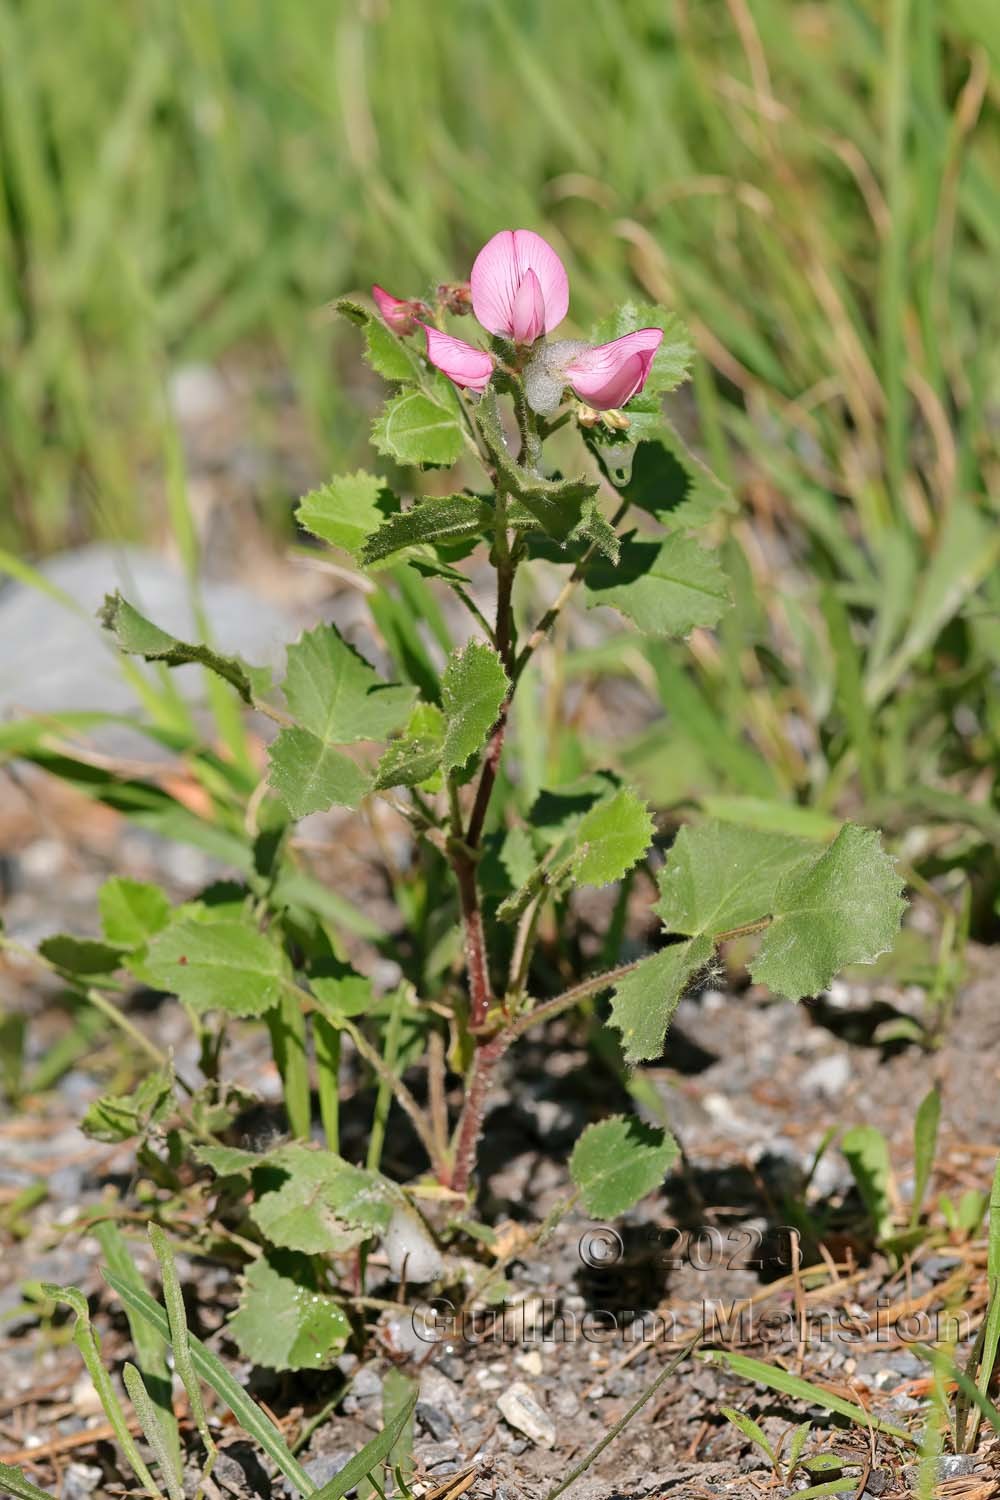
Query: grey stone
x=57 y=659
x=951 y=1466
x=520 y=1408
x=437 y=1390
x=367 y=1382
x=80 y=1480
x=324 y=1467
x=437 y=1422
x=829 y=1076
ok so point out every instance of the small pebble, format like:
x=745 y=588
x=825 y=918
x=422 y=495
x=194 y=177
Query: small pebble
x=520 y=1408
x=437 y=1422
x=80 y=1480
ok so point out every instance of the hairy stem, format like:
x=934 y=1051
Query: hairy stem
x=470 y=1125
x=463 y=863
x=488 y=1055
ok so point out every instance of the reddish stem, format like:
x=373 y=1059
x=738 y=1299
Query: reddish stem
x=476 y=958
x=470 y=1127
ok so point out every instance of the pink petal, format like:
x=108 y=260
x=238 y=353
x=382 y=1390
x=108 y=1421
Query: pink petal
x=528 y=312
x=397 y=312
x=498 y=272
x=466 y=366
x=610 y=374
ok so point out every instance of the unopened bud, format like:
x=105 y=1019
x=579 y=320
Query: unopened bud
x=455 y=297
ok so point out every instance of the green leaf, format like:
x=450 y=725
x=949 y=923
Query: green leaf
x=310 y=776
x=595 y=527
x=132 y=911
x=140 y=637
x=749 y=1429
x=720 y=876
x=211 y=1369
x=416 y=757
x=672 y=361
x=619 y=1161
x=348 y=510
x=371 y=1456
x=517 y=855
x=556 y=505
x=644 y=1001
x=613 y=836
x=302 y=1214
x=661 y=475
x=282 y=1322
x=473 y=688
x=17 y=1483
x=452 y=519
x=390 y=356
x=118 y=1117
x=80 y=956
x=344 y=994
x=218 y=966
x=843 y=909
x=415 y=429
x=666 y=587
x=338 y=696
x=228 y=1161
x=357 y=1197
x=867 y=1152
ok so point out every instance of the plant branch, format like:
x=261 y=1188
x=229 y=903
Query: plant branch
x=555 y=1007
x=503 y=637
x=488 y=1055
x=463 y=863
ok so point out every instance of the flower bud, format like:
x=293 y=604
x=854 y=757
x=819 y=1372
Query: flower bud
x=455 y=297
x=401 y=314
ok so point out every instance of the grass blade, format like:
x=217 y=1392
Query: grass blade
x=180 y=1338
x=371 y=1456
x=777 y=1379
x=991 y=1328
x=327 y=1042
x=211 y=1369
x=86 y=1341
x=622 y=1423
x=150 y=1349
x=925 y=1134
x=154 y=1431
x=287 y=1025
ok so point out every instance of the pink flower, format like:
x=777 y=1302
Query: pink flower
x=461 y=362
x=519 y=286
x=401 y=314
x=608 y=375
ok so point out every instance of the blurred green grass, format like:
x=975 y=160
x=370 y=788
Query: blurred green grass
x=814 y=187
